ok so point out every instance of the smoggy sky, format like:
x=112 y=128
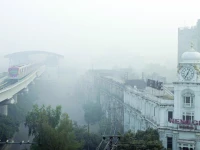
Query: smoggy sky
x=97 y=32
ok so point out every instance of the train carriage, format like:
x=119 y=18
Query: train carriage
x=20 y=71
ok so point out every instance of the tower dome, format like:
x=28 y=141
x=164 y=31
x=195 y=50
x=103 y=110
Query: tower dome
x=191 y=56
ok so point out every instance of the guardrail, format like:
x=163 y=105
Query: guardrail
x=12 y=87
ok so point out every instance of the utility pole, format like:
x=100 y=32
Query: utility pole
x=88 y=135
x=111 y=143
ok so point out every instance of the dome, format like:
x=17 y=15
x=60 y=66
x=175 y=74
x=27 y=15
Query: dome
x=191 y=55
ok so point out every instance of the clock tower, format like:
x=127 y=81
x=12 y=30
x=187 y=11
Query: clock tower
x=187 y=89
x=189 y=67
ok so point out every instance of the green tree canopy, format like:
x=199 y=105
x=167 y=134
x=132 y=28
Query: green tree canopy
x=91 y=140
x=7 y=127
x=142 y=140
x=52 y=131
x=93 y=112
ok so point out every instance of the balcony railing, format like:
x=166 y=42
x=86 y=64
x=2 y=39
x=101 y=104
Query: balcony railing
x=188 y=105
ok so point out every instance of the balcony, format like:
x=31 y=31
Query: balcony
x=188 y=105
x=182 y=127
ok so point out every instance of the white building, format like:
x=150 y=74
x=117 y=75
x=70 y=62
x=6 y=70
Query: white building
x=177 y=119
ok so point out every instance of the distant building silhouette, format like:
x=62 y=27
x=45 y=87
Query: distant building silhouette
x=186 y=35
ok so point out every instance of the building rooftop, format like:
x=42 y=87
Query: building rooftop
x=27 y=53
x=191 y=56
x=139 y=83
x=166 y=97
x=115 y=79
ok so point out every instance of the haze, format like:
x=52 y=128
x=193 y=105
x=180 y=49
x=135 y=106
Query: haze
x=101 y=34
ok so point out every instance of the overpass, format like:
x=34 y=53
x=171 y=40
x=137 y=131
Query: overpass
x=10 y=89
x=8 y=92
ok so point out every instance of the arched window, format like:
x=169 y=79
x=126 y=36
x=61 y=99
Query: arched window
x=188 y=98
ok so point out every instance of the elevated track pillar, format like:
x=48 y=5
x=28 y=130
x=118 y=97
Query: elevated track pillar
x=4 y=105
x=4 y=110
x=15 y=98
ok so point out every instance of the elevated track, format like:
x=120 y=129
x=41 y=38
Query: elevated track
x=8 y=88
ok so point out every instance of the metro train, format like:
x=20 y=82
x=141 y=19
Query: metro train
x=20 y=71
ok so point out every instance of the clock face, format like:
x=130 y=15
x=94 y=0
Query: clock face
x=187 y=73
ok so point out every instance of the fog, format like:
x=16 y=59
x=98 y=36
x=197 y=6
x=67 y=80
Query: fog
x=94 y=33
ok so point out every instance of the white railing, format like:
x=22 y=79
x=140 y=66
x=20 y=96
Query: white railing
x=150 y=97
x=168 y=102
x=168 y=91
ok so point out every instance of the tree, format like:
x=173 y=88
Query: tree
x=142 y=140
x=7 y=127
x=16 y=114
x=93 y=112
x=18 y=111
x=52 y=131
x=92 y=140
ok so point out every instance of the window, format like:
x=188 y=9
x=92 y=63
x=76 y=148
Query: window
x=188 y=116
x=170 y=115
x=188 y=100
x=169 y=142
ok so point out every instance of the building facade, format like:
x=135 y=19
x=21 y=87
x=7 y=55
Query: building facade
x=175 y=114
x=177 y=119
x=112 y=102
